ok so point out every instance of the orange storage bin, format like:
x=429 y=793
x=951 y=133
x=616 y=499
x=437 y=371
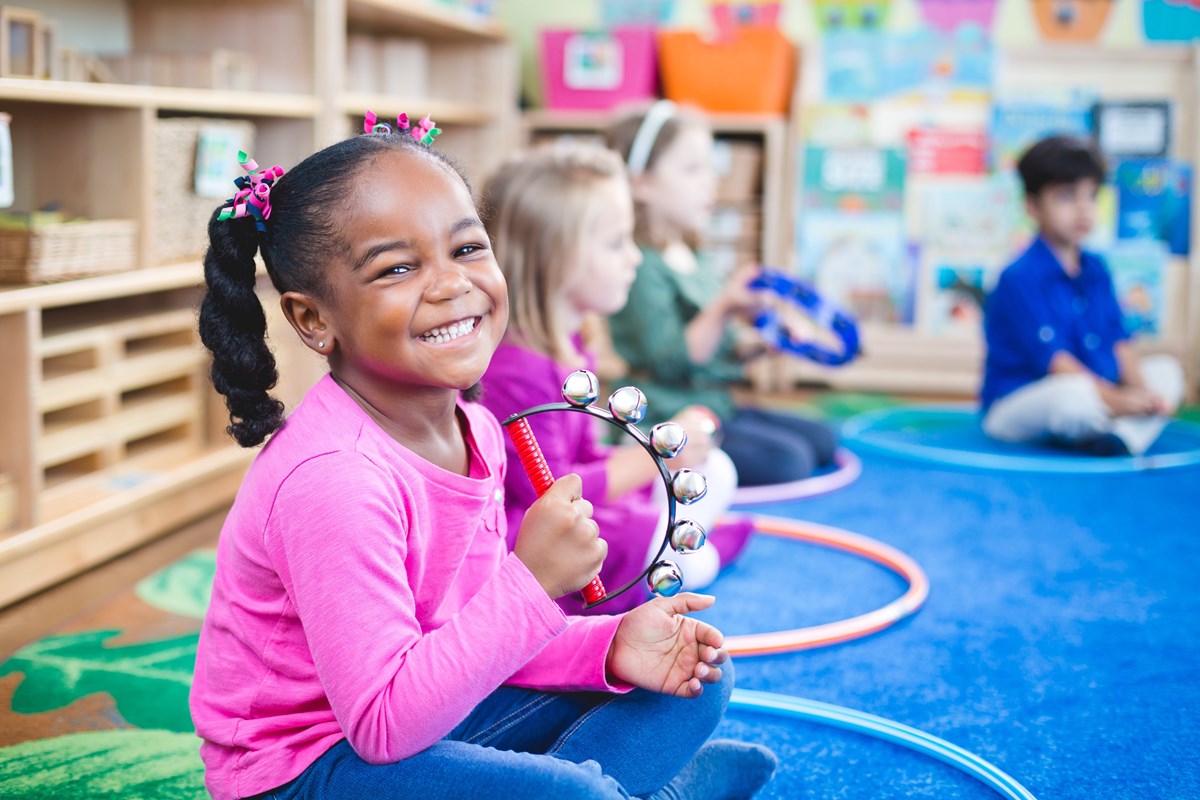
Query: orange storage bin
x=750 y=71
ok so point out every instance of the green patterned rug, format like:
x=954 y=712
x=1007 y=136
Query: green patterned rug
x=100 y=710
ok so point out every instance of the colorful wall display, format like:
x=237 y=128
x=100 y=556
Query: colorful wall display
x=1071 y=20
x=1171 y=20
x=947 y=15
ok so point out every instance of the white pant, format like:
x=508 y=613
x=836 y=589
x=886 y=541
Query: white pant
x=1069 y=407
x=700 y=568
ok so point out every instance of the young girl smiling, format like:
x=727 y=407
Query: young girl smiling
x=370 y=634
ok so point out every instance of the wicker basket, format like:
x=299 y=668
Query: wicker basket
x=180 y=215
x=67 y=250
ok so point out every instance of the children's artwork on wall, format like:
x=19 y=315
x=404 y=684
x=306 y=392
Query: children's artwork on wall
x=1017 y=125
x=1138 y=268
x=1139 y=129
x=979 y=217
x=959 y=292
x=837 y=125
x=850 y=15
x=1154 y=201
x=619 y=13
x=933 y=151
x=948 y=15
x=1171 y=20
x=861 y=66
x=859 y=261
x=1071 y=20
x=853 y=178
x=729 y=15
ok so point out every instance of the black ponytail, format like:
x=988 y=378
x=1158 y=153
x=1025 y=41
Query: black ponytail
x=233 y=327
x=302 y=237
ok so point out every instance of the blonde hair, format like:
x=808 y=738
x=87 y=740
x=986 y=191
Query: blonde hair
x=537 y=208
x=620 y=136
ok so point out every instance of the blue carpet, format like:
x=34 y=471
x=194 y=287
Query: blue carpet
x=1059 y=640
x=951 y=435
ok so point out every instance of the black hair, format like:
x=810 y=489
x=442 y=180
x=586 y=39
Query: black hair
x=302 y=236
x=1058 y=160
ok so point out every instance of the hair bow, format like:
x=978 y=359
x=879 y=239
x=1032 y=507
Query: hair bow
x=253 y=197
x=424 y=131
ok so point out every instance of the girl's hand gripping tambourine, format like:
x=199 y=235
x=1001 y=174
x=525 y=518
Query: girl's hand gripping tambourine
x=825 y=315
x=626 y=407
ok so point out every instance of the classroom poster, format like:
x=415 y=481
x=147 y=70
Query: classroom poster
x=1154 y=201
x=1017 y=125
x=971 y=216
x=1138 y=268
x=853 y=178
x=867 y=66
x=936 y=151
x=1130 y=129
x=837 y=125
x=859 y=261
x=955 y=304
x=948 y=15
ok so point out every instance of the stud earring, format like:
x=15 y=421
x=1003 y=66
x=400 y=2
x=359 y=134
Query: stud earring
x=321 y=344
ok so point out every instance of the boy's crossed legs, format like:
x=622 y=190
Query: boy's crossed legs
x=1068 y=408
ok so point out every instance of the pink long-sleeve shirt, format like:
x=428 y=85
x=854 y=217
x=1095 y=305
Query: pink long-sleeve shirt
x=366 y=594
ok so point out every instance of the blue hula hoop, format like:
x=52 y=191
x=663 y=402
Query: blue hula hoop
x=880 y=728
x=824 y=314
x=860 y=432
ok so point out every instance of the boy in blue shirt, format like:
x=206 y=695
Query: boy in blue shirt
x=1060 y=367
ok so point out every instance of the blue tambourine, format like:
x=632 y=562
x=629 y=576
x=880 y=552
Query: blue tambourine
x=824 y=314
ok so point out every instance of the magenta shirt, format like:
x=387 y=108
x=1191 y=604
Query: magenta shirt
x=366 y=594
x=519 y=379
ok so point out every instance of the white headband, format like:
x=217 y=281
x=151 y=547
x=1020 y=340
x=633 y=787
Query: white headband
x=647 y=135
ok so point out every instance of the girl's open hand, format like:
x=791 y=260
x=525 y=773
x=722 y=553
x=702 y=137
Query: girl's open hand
x=659 y=649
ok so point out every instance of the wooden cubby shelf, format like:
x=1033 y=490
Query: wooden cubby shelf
x=421 y=18
x=111 y=433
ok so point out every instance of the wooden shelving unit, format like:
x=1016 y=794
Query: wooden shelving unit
x=111 y=433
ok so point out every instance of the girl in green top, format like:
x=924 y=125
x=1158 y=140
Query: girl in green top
x=675 y=331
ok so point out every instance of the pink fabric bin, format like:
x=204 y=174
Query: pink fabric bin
x=598 y=69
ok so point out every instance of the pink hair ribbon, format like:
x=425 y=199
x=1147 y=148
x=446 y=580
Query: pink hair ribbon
x=253 y=197
x=424 y=131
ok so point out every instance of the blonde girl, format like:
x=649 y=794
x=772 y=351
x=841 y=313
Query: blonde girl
x=561 y=221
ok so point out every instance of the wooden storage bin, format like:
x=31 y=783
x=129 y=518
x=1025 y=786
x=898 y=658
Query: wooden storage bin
x=67 y=250
x=180 y=215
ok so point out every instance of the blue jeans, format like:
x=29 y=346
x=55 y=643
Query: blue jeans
x=771 y=447
x=521 y=743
